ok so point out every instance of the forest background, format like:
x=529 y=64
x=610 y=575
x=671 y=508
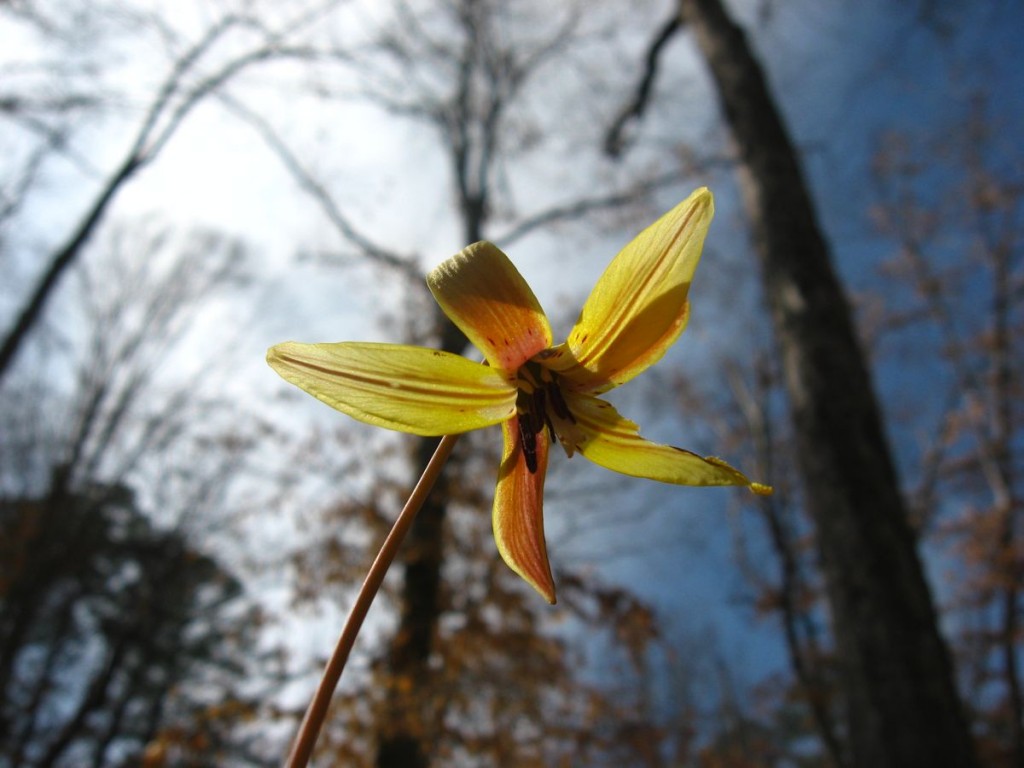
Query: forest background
x=184 y=184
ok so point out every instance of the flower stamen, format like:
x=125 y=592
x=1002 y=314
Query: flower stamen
x=528 y=440
x=558 y=404
x=542 y=405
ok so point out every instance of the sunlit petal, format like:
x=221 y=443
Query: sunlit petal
x=613 y=442
x=518 y=511
x=483 y=293
x=640 y=304
x=409 y=389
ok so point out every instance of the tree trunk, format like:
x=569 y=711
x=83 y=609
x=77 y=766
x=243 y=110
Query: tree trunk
x=401 y=734
x=403 y=727
x=903 y=706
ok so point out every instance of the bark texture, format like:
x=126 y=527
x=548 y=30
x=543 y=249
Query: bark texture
x=902 y=703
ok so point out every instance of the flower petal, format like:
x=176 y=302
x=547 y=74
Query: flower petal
x=613 y=442
x=483 y=293
x=411 y=389
x=518 y=516
x=639 y=306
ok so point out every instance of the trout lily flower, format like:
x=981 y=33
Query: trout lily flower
x=538 y=392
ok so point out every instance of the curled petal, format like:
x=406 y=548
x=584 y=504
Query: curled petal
x=483 y=293
x=614 y=442
x=518 y=516
x=410 y=389
x=640 y=304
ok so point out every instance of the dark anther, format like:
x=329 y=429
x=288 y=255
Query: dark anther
x=537 y=404
x=540 y=414
x=528 y=440
x=558 y=404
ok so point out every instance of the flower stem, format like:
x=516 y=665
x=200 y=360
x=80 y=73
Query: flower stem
x=305 y=740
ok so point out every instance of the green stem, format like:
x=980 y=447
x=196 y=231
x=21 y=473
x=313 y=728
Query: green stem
x=305 y=740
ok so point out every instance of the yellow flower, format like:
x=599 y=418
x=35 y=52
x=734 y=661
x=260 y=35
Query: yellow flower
x=536 y=391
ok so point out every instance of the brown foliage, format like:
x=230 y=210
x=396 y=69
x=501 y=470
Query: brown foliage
x=507 y=683
x=953 y=207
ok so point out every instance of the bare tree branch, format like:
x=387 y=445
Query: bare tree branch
x=615 y=139
x=161 y=121
x=582 y=207
x=407 y=265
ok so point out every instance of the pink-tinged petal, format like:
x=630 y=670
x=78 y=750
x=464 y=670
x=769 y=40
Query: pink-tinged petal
x=519 y=510
x=613 y=442
x=409 y=389
x=640 y=304
x=483 y=293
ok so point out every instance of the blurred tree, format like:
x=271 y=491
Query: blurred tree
x=464 y=69
x=475 y=76
x=51 y=94
x=952 y=204
x=114 y=637
x=120 y=635
x=777 y=559
x=897 y=681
